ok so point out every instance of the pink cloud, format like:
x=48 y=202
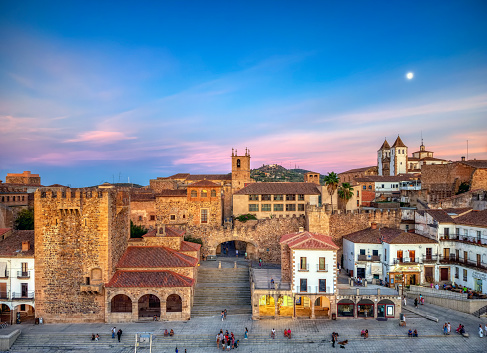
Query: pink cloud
x=101 y=137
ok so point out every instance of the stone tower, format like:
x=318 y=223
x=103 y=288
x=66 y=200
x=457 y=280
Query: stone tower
x=240 y=170
x=399 y=157
x=383 y=158
x=80 y=234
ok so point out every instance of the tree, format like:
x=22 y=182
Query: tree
x=136 y=231
x=25 y=219
x=331 y=182
x=345 y=192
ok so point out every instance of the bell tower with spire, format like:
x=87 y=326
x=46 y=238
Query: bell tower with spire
x=240 y=170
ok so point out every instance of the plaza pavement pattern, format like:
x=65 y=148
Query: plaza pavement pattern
x=198 y=335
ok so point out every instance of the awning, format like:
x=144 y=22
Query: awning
x=411 y=268
x=376 y=269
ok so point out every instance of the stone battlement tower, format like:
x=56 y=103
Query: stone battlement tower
x=80 y=234
x=240 y=170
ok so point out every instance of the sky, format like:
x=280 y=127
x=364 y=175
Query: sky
x=95 y=91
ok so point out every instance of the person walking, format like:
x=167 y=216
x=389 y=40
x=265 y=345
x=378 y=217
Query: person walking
x=416 y=303
x=481 y=331
x=445 y=329
x=176 y=350
x=260 y=262
x=225 y=314
x=119 y=334
x=218 y=341
x=246 y=335
x=114 y=331
x=448 y=328
x=405 y=301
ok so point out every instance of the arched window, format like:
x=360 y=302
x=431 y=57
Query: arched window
x=238 y=163
x=213 y=193
x=174 y=304
x=121 y=304
x=204 y=193
x=194 y=193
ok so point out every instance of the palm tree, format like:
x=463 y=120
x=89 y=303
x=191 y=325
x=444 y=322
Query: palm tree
x=331 y=182
x=345 y=192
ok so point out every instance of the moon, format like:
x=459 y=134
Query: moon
x=409 y=75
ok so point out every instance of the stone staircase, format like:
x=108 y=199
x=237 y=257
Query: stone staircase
x=219 y=289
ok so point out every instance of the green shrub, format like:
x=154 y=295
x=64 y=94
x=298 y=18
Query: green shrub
x=245 y=217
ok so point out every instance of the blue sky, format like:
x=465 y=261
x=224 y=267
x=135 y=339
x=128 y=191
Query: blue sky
x=94 y=92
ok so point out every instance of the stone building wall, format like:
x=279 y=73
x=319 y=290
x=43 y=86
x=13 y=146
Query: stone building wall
x=23 y=178
x=143 y=213
x=160 y=184
x=443 y=180
x=76 y=231
x=479 y=179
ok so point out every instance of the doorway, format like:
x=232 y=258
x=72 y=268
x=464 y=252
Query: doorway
x=444 y=274
x=361 y=272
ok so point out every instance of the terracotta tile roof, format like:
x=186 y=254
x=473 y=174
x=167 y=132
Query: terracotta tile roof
x=123 y=278
x=474 y=218
x=4 y=230
x=12 y=245
x=142 y=196
x=179 y=176
x=385 y=145
x=457 y=211
x=357 y=170
x=154 y=257
x=172 y=193
x=189 y=246
x=398 y=142
x=203 y=183
x=279 y=188
x=307 y=240
x=210 y=176
x=387 y=235
x=174 y=232
x=432 y=159
x=150 y=233
x=440 y=216
x=476 y=163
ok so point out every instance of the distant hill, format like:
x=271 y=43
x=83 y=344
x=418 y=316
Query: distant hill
x=277 y=173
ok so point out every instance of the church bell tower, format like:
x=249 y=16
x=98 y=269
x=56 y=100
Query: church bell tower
x=240 y=170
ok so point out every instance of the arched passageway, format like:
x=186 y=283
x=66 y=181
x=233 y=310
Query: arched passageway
x=303 y=306
x=174 y=304
x=149 y=305
x=4 y=313
x=285 y=306
x=385 y=308
x=121 y=304
x=322 y=307
x=234 y=248
x=267 y=305
x=365 y=308
x=345 y=308
x=24 y=313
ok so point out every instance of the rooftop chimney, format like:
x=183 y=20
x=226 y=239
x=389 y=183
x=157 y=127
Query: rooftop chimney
x=301 y=229
x=25 y=245
x=463 y=158
x=373 y=225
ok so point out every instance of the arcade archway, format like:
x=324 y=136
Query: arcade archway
x=322 y=307
x=285 y=306
x=149 y=306
x=234 y=248
x=174 y=304
x=24 y=313
x=267 y=306
x=121 y=304
x=303 y=306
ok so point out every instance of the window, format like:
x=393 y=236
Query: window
x=278 y=207
x=213 y=193
x=238 y=163
x=370 y=186
x=301 y=207
x=173 y=217
x=322 y=264
x=278 y=198
x=407 y=227
x=290 y=207
x=303 y=283
x=465 y=232
x=194 y=193
x=266 y=207
x=140 y=219
x=385 y=254
x=465 y=275
x=364 y=187
x=152 y=218
x=253 y=197
x=478 y=235
x=301 y=197
x=358 y=203
x=375 y=252
x=383 y=186
x=290 y=197
x=322 y=285
x=204 y=215
x=265 y=197
x=457 y=272
x=457 y=231
x=303 y=264
x=362 y=251
x=253 y=207
x=204 y=193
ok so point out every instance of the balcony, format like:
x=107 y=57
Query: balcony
x=312 y=290
x=373 y=258
x=304 y=269
x=321 y=268
x=406 y=260
x=91 y=288
x=23 y=274
x=462 y=261
x=464 y=239
x=4 y=275
x=430 y=259
x=23 y=296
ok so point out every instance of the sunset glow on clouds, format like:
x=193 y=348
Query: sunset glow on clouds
x=103 y=101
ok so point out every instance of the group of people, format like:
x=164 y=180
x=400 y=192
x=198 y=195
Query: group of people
x=482 y=332
x=114 y=332
x=170 y=333
x=446 y=328
x=359 y=281
x=224 y=314
x=417 y=301
x=412 y=333
x=365 y=333
x=228 y=340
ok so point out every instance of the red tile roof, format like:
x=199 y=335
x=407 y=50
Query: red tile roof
x=174 y=232
x=204 y=183
x=172 y=193
x=357 y=170
x=210 y=177
x=388 y=235
x=385 y=145
x=4 y=230
x=154 y=257
x=189 y=246
x=476 y=163
x=123 y=278
x=12 y=245
x=398 y=142
x=142 y=196
x=279 y=189
x=474 y=218
x=179 y=176
x=307 y=240
x=440 y=216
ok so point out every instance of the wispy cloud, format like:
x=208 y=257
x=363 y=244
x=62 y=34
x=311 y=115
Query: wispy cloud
x=101 y=137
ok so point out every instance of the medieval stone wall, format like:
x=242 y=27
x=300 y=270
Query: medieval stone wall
x=76 y=232
x=141 y=212
x=163 y=184
x=443 y=180
x=479 y=179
